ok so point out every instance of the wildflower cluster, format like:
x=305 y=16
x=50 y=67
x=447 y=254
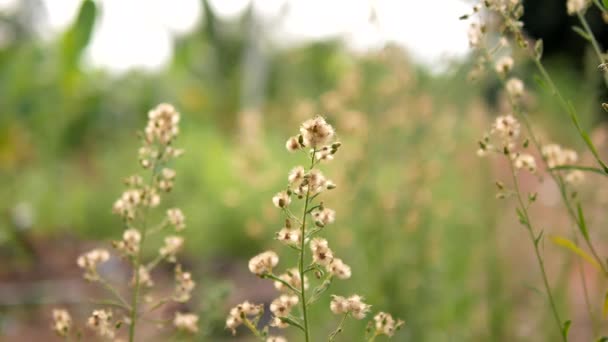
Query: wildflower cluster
x=133 y=206
x=300 y=233
x=559 y=162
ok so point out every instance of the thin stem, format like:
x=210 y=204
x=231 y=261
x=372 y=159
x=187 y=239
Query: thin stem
x=556 y=177
x=539 y=259
x=253 y=328
x=115 y=292
x=373 y=337
x=302 y=253
x=594 y=43
x=338 y=329
x=578 y=167
x=137 y=259
x=275 y=278
x=599 y=6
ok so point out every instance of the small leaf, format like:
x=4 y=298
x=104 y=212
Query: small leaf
x=561 y=241
x=581 y=33
x=541 y=83
x=581 y=219
x=538 y=238
x=538 y=49
x=566 y=328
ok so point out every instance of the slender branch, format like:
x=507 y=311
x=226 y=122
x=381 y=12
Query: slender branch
x=578 y=167
x=526 y=222
x=338 y=329
x=594 y=43
x=115 y=292
x=275 y=278
x=137 y=259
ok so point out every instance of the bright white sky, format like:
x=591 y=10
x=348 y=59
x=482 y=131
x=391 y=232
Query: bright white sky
x=138 y=33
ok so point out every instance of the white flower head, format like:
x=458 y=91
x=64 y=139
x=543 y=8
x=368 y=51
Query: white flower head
x=263 y=262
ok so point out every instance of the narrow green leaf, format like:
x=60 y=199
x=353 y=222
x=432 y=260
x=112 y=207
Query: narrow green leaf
x=581 y=219
x=291 y=321
x=563 y=242
x=605 y=308
x=566 y=328
x=541 y=83
x=538 y=238
x=605 y=3
x=581 y=33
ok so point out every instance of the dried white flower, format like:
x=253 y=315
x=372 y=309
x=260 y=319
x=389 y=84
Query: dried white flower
x=353 y=305
x=525 y=161
x=263 y=262
x=186 y=322
x=129 y=244
x=90 y=260
x=101 y=322
x=385 y=324
x=176 y=218
x=62 y=322
x=504 y=65
x=515 y=87
x=173 y=244
x=321 y=253
x=316 y=132
x=575 y=6
x=281 y=199
x=183 y=285
x=339 y=269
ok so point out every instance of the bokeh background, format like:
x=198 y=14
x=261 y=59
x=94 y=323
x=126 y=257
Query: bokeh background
x=417 y=214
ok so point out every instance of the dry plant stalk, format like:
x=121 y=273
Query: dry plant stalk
x=134 y=207
x=301 y=234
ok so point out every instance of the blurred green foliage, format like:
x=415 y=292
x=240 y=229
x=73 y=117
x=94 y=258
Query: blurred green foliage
x=414 y=219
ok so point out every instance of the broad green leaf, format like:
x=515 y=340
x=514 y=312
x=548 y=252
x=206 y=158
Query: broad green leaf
x=563 y=242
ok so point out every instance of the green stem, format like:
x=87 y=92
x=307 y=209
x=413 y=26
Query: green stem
x=302 y=253
x=594 y=43
x=581 y=168
x=137 y=260
x=539 y=258
x=116 y=294
x=338 y=329
x=253 y=328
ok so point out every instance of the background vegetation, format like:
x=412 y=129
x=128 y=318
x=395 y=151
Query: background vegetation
x=417 y=215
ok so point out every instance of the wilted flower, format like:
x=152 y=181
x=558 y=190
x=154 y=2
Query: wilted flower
x=293 y=144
